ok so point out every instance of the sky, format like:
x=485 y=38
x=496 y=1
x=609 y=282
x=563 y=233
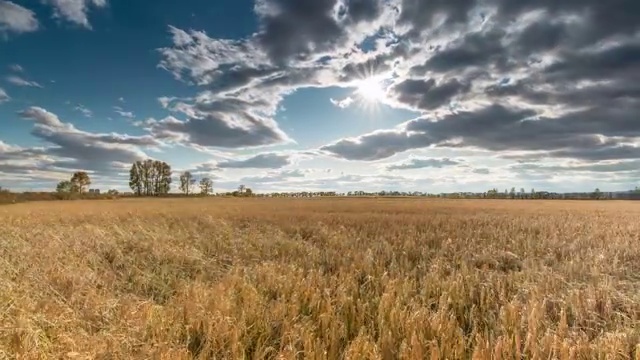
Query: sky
x=323 y=95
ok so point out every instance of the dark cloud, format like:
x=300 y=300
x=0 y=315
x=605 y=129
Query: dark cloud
x=426 y=94
x=260 y=161
x=481 y=171
x=226 y=123
x=423 y=163
x=299 y=30
x=420 y=14
x=76 y=149
x=499 y=128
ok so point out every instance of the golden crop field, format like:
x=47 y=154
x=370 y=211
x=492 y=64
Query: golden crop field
x=320 y=279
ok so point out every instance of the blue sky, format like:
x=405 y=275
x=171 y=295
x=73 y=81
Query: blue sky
x=338 y=95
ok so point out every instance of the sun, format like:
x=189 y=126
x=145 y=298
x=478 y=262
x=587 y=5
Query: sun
x=371 y=90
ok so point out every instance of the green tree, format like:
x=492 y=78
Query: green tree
x=150 y=178
x=597 y=194
x=206 y=186
x=164 y=185
x=79 y=181
x=186 y=182
x=64 y=187
x=135 y=178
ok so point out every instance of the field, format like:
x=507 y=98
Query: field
x=320 y=279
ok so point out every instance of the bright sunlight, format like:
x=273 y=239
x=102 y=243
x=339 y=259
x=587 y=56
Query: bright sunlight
x=371 y=90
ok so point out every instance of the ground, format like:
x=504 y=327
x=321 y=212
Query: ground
x=320 y=279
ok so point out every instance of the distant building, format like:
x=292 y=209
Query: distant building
x=94 y=191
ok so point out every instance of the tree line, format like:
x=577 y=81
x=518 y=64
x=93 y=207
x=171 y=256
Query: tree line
x=154 y=178
x=146 y=178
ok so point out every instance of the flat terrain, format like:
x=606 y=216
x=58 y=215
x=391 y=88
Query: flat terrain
x=320 y=279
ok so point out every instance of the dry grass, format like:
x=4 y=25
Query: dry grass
x=320 y=279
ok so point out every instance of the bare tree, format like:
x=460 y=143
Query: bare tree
x=206 y=186
x=186 y=182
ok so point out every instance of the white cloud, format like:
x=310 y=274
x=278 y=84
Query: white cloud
x=17 y=19
x=16 y=68
x=18 y=81
x=4 y=97
x=344 y=103
x=85 y=112
x=75 y=11
x=126 y=114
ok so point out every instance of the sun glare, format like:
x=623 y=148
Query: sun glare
x=371 y=90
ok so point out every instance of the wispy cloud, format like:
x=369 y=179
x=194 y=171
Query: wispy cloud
x=86 y=112
x=18 y=81
x=126 y=114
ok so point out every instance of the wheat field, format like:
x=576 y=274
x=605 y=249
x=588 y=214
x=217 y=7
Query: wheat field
x=320 y=279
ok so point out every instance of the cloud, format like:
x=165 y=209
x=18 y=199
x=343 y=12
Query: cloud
x=85 y=112
x=18 y=81
x=260 y=161
x=481 y=171
x=344 y=103
x=218 y=122
x=275 y=176
x=426 y=94
x=75 y=11
x=71 y=148
x=417 y=163
x=501 y=128
x=4 y=97
x=533 y=77
x=17 y=19
x=16 y=68
x=126 y=114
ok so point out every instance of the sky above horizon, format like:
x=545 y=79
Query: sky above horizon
x=336 y=95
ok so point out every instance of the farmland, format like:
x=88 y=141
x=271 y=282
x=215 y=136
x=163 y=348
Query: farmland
x=320 y=279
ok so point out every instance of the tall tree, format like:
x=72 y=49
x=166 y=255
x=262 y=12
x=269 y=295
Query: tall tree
x=186 y=182
x=80 y=180
x=165 y=178
x=206 y=186
x=135 y=178
x=150 y=178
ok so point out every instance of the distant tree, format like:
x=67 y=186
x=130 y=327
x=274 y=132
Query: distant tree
x=522 y=193
x=64 y=187
x=248 y=192
x=206 y=186
x=512 y=193
x=596 y=194
x=79 y=181
x=241 y=189
x=113 y=192
x=150 y=178
x=186 y=182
